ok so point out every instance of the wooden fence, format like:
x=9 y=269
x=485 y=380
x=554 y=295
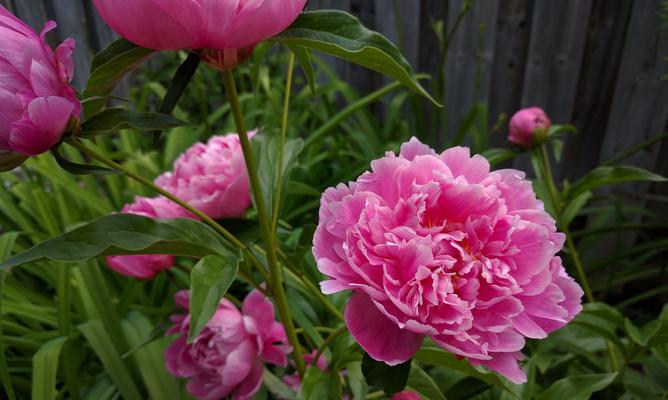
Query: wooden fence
x=596 y=63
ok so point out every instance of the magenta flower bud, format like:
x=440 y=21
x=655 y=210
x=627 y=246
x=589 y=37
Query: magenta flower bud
x=36 y=99
x=406 y=395
x=228 y=356
x=529 y=127
x=224 y=31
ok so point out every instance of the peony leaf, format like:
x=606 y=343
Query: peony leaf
x=113 y=119
x=266 y=150
x=339 y=34
x=315 y=385
x=109 y=67
x=391 y=379
x=121 y=234
x=421 y=382
x=45 y=369
x=498 y=155
x=603 y=176
x=209 y=280
x=577 y=387
x=303 y=56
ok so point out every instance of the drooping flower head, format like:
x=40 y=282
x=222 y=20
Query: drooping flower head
x=437 y=245
x=225 y=31
x=148 y=265
x=228 y=356
x=36 y=99
x=529 y=127
x=212 y=177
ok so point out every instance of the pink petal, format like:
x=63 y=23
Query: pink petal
x=247 y=389
x=379 y=337
x=42 y=127
x=506 y=364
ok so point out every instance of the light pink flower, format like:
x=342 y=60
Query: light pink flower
x=406 y=395
x=212 y=177
x=147 y=266
x=439 y=246
x=529 y=127
x=36 y=100
x=227 y=358
x=226 y=30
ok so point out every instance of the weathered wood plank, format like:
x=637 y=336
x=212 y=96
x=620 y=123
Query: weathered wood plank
x=602 y=57
x=469 y=61
x=31 y=12
x=554 y=59
x=510 y=57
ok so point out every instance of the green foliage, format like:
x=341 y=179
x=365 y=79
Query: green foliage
x=209 y=280
x=113 y=119
x=391 y=379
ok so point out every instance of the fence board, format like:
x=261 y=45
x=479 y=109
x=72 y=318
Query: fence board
x=468 y=66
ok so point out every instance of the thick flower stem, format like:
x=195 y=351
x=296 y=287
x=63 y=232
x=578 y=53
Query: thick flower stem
x=268 y=237
x=556 y=203
x=112 y=164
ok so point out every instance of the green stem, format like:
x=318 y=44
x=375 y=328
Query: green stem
x=112 y=164
x=268 y=237
x=284 y=130
x=330 y=339
x=557 y=205
x=63 y=293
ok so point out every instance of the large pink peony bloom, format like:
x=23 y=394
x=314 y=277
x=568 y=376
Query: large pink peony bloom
x=227 y=358
x=529 y=127
x=225 y=30
x=147 y=266
x=439 y=246
x=36 y=100
x=212 y=177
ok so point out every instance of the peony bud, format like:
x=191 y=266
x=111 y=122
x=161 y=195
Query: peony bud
x=36 y=100
x=529 y=127
x=224 y=32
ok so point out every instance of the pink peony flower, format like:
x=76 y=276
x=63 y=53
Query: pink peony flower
x=36 y=100
x=406 y=395
x=227 y=358
x=147 y=266
x=226 y=31
x=439 y=246
x=529 y=127
x=211 y=177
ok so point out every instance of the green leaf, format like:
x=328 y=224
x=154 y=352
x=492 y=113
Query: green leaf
x=178 y=86
x=643 y=335
x=391 y=379
x=339 y=34
x=7 y=241
x=109 y=67
x=277 y=387
x=438 y=356
x=266 y=150
x=121 y=234
x=577 y=387
x=79 y=169
x=99 y=340
x=422 y=383
x=498 y=155
x=314 y=385
x=575 y=206
x=356 y=382
x=209 y=280
x=150 y=357
x=112 y=119
x=45 y=369
x=603 y=176
x=303 y=56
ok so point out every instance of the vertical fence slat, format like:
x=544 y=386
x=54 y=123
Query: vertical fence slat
x=510 y=56
x=31 y=12
x=596 y=85
x=468 y=66
x=554 y=60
